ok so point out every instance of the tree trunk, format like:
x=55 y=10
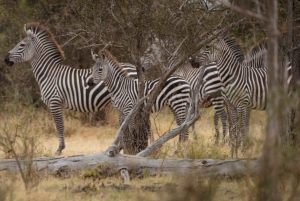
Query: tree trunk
x=136 y=165
x=294 y=57
x=271 y=158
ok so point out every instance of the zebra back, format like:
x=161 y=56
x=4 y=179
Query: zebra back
x=213 y=53
x=256 y=56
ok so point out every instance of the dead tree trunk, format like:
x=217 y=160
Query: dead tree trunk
x=136 y=165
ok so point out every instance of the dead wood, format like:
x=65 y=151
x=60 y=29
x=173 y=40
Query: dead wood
x=136 y=165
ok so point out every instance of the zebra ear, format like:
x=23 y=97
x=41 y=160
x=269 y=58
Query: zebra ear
x=103 y=55
x=28 y=31
x=94 y=56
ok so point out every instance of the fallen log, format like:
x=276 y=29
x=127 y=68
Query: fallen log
x=128 y=164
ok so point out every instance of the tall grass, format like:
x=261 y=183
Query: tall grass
x=23 y=124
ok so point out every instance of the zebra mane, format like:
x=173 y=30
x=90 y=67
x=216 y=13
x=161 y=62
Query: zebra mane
x=256 y=49
x=115 y=61
x=235 y=48
x=37 y=28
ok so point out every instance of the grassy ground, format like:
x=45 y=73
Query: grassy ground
x=86 y=139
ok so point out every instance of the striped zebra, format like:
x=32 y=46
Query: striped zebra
x=175 y=93
x=245 y=86
x=61 y=86
x=212 y=86
x=154 y=56
x=256 y=56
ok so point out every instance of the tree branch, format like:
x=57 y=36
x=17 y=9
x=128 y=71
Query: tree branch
x=127 y=120
x=192 y=115
x=245 y=12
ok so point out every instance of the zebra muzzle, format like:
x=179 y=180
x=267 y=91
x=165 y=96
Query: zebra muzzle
x=90 y=82
x=7 y=61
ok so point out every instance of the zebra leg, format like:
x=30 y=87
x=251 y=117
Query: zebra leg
x=216 y=122
x=224 y=120
x=243 y=113
x=248 y=114
x=180 y=117
x=151 y=136
x=218 y=104
x=233 y=122
x=194 y=132
x=193 y=125
x=121 y=117
x=126 y=141
x=57 y=114
x=245 y=128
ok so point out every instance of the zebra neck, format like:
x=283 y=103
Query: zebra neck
x=45 y=69
x=187 y=72
x=45 y=73
x=117 y=79
x=228 y=67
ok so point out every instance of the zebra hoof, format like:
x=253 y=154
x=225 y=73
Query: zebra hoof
x=58 y=152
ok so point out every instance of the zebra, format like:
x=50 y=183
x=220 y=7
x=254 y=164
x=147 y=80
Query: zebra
x=212 y=86
x=154 y=56
x=245 y=86
x=175 y=93
x=256 y=56
x=61 y=86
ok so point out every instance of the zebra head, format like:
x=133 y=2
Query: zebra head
x=154 y=55
x=210 y=53
x=100 y=68
x=24 y=50
x=96 y=70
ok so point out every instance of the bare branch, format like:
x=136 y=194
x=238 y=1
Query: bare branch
x=89 y=46
x=69 y=41
x=245 y=12
x=192 y=115
x=182 y=58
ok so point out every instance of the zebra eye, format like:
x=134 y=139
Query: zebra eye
x=22 y=45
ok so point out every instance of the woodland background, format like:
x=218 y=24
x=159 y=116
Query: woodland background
x=128 y=27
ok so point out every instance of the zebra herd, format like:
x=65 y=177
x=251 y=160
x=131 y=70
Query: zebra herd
x=61 y=86
x=229 y=79
x=124 y=90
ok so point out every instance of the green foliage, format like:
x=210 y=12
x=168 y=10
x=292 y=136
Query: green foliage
x=102 y=171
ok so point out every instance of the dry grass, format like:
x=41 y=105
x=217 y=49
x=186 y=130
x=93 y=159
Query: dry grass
x=90 y=139
x=153 y=188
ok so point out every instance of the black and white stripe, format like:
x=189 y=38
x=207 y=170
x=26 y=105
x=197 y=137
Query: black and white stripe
x=61 y=86
x=154 y=55
x=245 y=86
x=212 y=85
x=124 y=90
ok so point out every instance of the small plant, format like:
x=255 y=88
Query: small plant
x=102 y=171
x=18 y=139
